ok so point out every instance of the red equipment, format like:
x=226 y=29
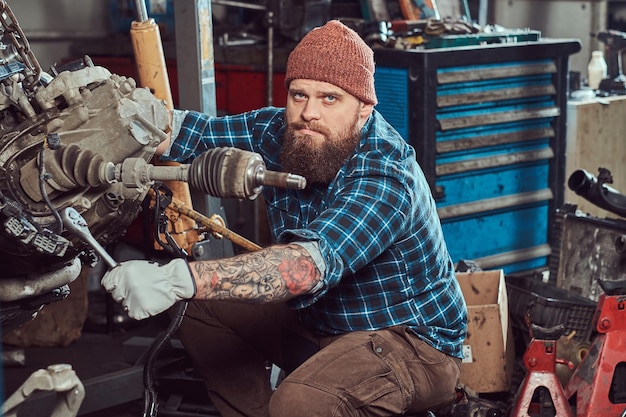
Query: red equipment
x=598 y=386
x=540 y=361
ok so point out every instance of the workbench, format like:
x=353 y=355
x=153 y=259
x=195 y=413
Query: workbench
x=596 y=137
x=588 y=235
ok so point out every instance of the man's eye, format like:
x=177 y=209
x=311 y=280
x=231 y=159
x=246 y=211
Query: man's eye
x=299 y=96
x=331 y=98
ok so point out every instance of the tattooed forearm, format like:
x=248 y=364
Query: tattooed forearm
x=275 y=273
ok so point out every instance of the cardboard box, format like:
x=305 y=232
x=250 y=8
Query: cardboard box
x=488 y=350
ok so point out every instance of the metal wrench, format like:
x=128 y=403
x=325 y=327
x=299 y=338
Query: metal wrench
x=76 y=224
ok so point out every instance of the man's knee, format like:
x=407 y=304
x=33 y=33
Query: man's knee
x=294 y=399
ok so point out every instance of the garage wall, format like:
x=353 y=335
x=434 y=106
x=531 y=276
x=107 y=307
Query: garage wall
x=557 y=19
x=51 y=26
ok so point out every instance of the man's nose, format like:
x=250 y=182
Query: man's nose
x=311 y=111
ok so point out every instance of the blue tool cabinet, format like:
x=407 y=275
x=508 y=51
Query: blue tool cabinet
x=488 y=126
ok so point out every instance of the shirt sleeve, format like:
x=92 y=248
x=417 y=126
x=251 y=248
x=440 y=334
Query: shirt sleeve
x=194 y=133
x=314 y=251
x=178 y=116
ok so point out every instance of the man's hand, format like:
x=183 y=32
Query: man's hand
x=146 y=288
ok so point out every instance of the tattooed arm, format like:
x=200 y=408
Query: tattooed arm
x=276 y=273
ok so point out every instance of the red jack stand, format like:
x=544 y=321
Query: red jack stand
x=598 y=384
x=540 y=361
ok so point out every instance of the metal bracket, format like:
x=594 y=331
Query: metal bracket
x=60 y=378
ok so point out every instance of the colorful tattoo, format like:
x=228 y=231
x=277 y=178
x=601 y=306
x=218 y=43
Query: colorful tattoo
x=276 y=273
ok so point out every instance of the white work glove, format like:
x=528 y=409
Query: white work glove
x=146 y=288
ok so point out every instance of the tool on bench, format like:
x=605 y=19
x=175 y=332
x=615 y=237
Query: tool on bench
x=615 y=42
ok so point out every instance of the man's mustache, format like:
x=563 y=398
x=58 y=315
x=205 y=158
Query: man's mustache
x=310 y=126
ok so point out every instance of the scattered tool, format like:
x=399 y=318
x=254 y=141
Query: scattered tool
x=76 y=224
x=60 y=378
x=615 y=42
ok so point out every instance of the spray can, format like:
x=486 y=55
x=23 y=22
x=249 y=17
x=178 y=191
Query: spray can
x=596 y=69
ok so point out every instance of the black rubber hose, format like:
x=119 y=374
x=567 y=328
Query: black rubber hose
x=587 y=186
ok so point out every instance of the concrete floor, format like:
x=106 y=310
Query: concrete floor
x=92 y=356
x=110 y=366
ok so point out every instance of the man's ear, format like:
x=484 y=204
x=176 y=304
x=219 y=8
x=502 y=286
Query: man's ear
x=366 y=110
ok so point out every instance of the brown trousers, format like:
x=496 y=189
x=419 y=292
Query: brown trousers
x=387 y=372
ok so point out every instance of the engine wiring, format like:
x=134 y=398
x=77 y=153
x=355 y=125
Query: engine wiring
x=44 y=176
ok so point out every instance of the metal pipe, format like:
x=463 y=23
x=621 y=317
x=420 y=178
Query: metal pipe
x=13 y=289
x=270 y=57
x=141 y=11
x=483 y=9
x=212 y=225
x=598 y=192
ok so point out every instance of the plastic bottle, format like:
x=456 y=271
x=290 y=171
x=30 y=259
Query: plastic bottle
x=596 y=69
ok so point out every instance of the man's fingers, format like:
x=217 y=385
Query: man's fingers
x=136 y=313
x=111 y=280
x=117 y=296
x=142 y=287
x=139 y=316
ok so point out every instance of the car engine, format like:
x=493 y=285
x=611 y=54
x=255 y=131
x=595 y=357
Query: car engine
x=75 y=152
x=58 y=132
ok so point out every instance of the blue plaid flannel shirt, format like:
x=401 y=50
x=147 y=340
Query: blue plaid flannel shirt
x=376 y=226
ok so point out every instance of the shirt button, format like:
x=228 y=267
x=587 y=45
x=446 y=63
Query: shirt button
x=379 y=350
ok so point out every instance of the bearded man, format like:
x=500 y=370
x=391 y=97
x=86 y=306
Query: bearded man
x=356 y=299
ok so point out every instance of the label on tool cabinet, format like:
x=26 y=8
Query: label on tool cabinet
x=467 y=354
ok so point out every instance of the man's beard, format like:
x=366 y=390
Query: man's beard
x=317 y=162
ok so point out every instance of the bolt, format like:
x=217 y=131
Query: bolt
x=605 y=323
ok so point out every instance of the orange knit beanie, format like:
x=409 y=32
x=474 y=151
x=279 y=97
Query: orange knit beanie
x=335 y=54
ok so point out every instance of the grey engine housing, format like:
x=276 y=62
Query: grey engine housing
x=57 y=133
